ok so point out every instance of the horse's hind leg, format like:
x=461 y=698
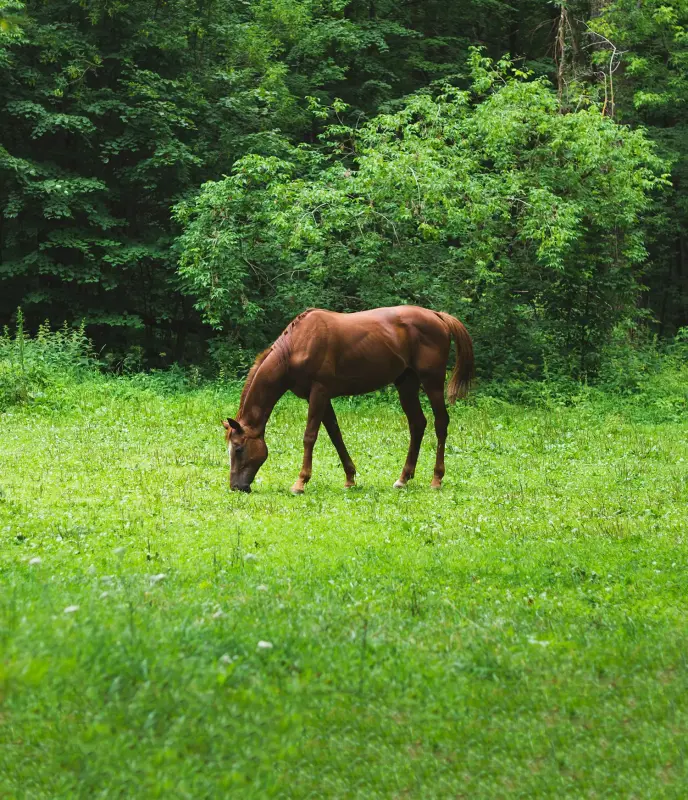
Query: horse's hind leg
x=332 y=428
x=408 y=388
x=434 y=388
x=317 y=406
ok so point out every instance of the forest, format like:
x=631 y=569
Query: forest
x=185 y=176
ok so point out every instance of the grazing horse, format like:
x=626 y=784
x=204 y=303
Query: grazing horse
x=322 y=355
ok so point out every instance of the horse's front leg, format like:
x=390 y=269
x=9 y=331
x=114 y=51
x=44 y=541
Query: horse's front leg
x=318 y=402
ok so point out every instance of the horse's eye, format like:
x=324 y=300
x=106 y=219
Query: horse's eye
x=238 y=451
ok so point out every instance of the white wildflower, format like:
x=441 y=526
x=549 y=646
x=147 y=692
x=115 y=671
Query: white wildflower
x=71 y=609
x=35 y=560
x=264 y=645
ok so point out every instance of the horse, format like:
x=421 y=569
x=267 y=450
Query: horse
x=324 y=354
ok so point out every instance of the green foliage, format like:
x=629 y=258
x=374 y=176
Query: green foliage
x=112 y=112
x=489 y=203
x=10 y=27
x=32 y=369
x=519 y=634
x=651 y=89
x=651 y=375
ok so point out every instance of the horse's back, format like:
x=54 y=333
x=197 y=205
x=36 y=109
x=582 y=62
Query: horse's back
x=366 y=350
x=393 y=326
x=376 y=319
x=410 y=327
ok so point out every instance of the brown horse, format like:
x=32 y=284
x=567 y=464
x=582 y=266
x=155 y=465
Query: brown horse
x=322 y=355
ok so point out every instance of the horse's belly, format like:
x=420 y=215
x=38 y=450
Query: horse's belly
x=349 y=387
x=364 y=377
x=342 y=388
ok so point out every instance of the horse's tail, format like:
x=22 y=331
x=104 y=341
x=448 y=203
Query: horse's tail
x=464 y=369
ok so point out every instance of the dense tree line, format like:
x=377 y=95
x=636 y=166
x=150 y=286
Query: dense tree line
x=184 y=172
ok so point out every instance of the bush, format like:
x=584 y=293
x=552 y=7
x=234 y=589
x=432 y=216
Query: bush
x=31 y=368
x=662 y=391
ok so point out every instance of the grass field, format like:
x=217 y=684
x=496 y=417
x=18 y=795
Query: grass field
x=522 y=633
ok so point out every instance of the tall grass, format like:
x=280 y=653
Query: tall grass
x=33 y=369
x=641 y=377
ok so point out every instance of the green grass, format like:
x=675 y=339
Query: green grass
x=522 y=633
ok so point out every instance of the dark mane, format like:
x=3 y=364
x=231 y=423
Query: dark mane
x=283 y=343
x=282 y=346
x=251 y=375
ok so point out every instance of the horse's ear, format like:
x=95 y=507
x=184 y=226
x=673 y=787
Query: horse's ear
x=225 y=424
x=233 y=424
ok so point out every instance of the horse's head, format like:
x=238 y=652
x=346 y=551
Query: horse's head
x=247 y=454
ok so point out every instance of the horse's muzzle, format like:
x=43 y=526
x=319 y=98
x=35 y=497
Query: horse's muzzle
x=245 y=488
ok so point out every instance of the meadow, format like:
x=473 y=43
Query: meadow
x=521 y=633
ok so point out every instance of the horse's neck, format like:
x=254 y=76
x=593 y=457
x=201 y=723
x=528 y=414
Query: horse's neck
x=269 y=384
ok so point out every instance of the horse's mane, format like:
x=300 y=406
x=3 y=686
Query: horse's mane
x=281 y=345
x=251 y=375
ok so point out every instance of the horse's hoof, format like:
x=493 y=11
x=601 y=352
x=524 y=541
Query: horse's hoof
x=349 y=485
x=399 y=485
x=296 y=490
x=435 y=485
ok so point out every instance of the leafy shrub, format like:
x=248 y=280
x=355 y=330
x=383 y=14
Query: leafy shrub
x=228 y=358
x=31 y=367
x=661 y=391
x=631 y=357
